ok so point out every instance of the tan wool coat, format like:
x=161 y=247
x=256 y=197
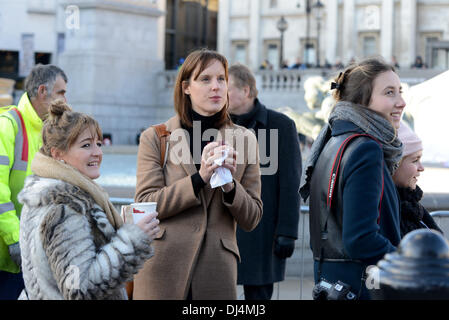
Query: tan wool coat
x=196 y=246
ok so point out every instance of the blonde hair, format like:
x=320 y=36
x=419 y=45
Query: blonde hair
x=63 y=126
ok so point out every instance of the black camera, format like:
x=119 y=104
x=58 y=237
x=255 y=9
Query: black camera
x=325 y=290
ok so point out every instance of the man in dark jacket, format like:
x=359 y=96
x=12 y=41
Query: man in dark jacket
x=264 y=250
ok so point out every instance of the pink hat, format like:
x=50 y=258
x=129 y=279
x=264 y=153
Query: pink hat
x=410 y=141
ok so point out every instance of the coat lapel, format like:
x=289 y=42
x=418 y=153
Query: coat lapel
x=184 y=158
x=230 y=139
x=178 y=147
x=207 y=193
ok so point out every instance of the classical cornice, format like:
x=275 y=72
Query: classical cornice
x=141 y=7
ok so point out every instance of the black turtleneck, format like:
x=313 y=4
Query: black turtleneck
x=247 y=119
x=207 y=122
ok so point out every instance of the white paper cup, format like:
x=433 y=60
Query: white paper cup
x=142 y=209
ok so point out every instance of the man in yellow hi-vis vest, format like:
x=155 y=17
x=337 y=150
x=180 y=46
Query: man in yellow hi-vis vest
x=20 y=139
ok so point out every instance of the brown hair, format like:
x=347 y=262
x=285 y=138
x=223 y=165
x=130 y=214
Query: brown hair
x=202 y=58
x=63 y=126
x=243 y=77
x=355 y=84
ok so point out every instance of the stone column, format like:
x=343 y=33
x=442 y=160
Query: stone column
x=223 y=42
x=254 y=35
x=349 y=36
x=408 y=27
x=112 y=61
x=162 y=5
x=26 y=57
x=386 y=36
x=331 y=31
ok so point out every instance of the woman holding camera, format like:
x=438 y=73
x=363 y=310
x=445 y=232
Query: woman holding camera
x=354 y=207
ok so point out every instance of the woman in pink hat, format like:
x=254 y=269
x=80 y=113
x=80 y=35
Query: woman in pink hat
x=413 y=214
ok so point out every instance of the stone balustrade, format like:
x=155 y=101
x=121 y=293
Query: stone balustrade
x=277 y=89
x=279 y=81
x=280 y=88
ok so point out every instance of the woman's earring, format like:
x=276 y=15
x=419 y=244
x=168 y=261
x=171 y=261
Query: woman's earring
x=62 y=160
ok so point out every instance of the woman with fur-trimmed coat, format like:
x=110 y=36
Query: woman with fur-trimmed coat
x=73 y=242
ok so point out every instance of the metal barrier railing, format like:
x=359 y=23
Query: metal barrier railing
x=124 y=201
x=440 y=214
x=121 y=201
x=116 y=201
x=441 y=219
x=304 y=210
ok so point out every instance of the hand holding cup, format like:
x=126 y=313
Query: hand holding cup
x=144 y=216
x=149 y=224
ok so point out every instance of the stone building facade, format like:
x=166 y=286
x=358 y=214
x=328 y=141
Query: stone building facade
x=111 y=50
x=339 y=30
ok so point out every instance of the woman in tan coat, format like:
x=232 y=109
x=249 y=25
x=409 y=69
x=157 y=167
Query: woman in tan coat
x=196 y=252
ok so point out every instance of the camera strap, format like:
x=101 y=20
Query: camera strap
x=330 y=193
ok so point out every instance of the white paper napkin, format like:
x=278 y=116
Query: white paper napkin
x=221 y=176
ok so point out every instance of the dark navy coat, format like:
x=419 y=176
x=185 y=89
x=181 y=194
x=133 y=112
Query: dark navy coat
x=363 y=238
x=281 y=202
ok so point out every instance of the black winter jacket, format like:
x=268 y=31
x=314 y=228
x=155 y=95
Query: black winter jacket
x=280 y=179
x=413 y=214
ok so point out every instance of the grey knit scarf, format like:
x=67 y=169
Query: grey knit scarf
x=370 y=122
